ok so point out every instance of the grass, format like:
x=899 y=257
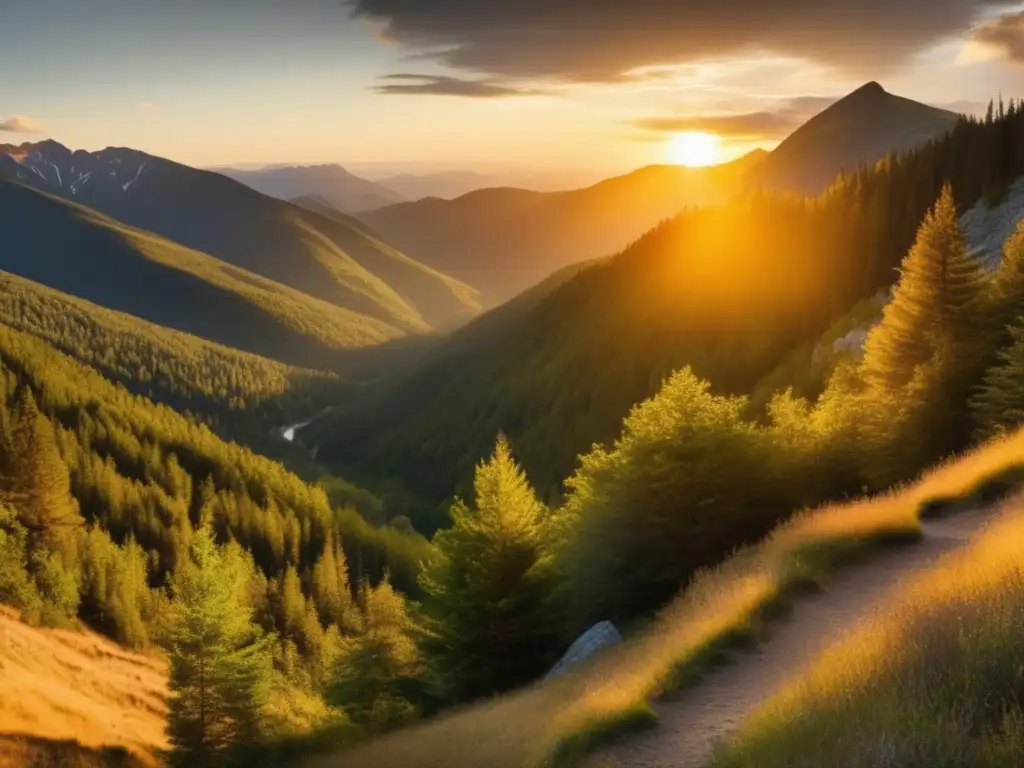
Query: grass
x=553 y=725
x=936 y=679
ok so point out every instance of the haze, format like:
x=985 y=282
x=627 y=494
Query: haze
x=385 y=86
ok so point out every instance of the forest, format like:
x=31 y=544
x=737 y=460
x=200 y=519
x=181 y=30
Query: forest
x=297 y=615
x=731 y=300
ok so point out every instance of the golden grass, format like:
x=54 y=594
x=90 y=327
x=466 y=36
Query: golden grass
x=75 y=694
x=937 y=678
x=554 y=724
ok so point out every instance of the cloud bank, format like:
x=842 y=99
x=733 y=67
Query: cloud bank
x=441 y=85
x=601 y=40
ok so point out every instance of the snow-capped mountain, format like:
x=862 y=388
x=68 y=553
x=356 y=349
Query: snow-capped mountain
x=53 y=167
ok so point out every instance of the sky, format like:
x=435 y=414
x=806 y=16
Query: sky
x=404 y=85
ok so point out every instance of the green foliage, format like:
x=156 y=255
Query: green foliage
x=486 y=626
x=373 y=665
x=223 y=385
x=220 y=661
x=998 y=406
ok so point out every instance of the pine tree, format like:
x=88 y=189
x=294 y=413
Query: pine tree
x=374 y=666
x=486 y=590
x=40 y=486
x=928 y=351
x=331 y=589
x=936 y=300
x=220 y=661
x=998 y=406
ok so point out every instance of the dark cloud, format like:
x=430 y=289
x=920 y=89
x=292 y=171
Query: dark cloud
x=1005 y=34
x=439 y=85
x=761 y=125
x=20 y=124
x=599 y=40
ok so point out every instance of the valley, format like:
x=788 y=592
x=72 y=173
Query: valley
x=335 y=432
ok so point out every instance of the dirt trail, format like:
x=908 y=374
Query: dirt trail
x=692 y=721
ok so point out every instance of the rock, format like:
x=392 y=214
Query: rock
x=590 y=642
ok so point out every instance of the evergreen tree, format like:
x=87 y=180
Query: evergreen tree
x=331 y=589
x=922 y=359
x=40 y=486
x=221 y=668
x=375 y=667
x=485 y=592
x=998 y=406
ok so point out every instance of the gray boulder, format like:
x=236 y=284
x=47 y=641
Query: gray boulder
x=590 y=642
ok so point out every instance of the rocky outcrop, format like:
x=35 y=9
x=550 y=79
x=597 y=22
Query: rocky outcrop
x=590 y=642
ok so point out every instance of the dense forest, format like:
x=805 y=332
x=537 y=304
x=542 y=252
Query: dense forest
x=729 y=290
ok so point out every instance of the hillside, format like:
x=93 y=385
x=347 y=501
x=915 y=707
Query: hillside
x=81 y=252
x=503 y=240
x=730 y=290
x=68 y=696
x=324 y=257
x=230 y=387
x=339 y=187
x=857 y=130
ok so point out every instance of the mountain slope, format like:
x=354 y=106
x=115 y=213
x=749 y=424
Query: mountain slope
x=81 y=252
x=342 y=189
x=324 y=257
x=175 y=368
x=730 y=290
x=857 y=130
x=503 y=240
x=65 y=694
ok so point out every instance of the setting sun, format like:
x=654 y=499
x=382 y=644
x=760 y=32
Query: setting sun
x=694 y=149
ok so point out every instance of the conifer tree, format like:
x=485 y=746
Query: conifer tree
x=998 y=406
x=928 y=351
x=39 y=484
x=936 y=300
x=331 y=589
x=373 y=666
x=221 y=668
x=485 y=591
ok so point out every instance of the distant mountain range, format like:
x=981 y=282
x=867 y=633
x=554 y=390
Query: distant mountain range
x=343 y=190
x=857 y=130
x=333 y=259
x=504 y=240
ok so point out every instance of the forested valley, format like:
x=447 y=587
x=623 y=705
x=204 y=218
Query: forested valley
x=578 y=460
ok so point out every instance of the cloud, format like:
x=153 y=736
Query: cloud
x=441 y=85
x=752 y=126
x=588 y=41
x=1003 y=35
x=20 y=124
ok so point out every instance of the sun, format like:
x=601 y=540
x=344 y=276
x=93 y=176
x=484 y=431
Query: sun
x=694 y=149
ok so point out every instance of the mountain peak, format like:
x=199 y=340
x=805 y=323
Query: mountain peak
x=872 y=88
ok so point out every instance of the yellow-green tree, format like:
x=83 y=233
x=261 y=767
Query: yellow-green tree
x=221 y=666
x=485 y=592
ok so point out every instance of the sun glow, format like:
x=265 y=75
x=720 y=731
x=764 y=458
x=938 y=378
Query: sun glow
x=694 y=149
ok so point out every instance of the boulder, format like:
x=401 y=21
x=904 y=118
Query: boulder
x=590 y=642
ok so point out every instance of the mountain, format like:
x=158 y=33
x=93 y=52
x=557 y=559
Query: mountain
x=327 y=258
x=859 y=129
x=503 y=240
x=729 y=290
x=444 y=184
x=81 y=252
x=342 y=189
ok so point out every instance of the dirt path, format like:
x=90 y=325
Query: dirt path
x=695 y=719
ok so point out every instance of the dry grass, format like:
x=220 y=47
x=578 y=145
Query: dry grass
x=554 y=724
x=937 y=678
x=65 y=696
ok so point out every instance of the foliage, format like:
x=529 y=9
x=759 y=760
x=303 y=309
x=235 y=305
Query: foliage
x=485 y=592
x=220 y=661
